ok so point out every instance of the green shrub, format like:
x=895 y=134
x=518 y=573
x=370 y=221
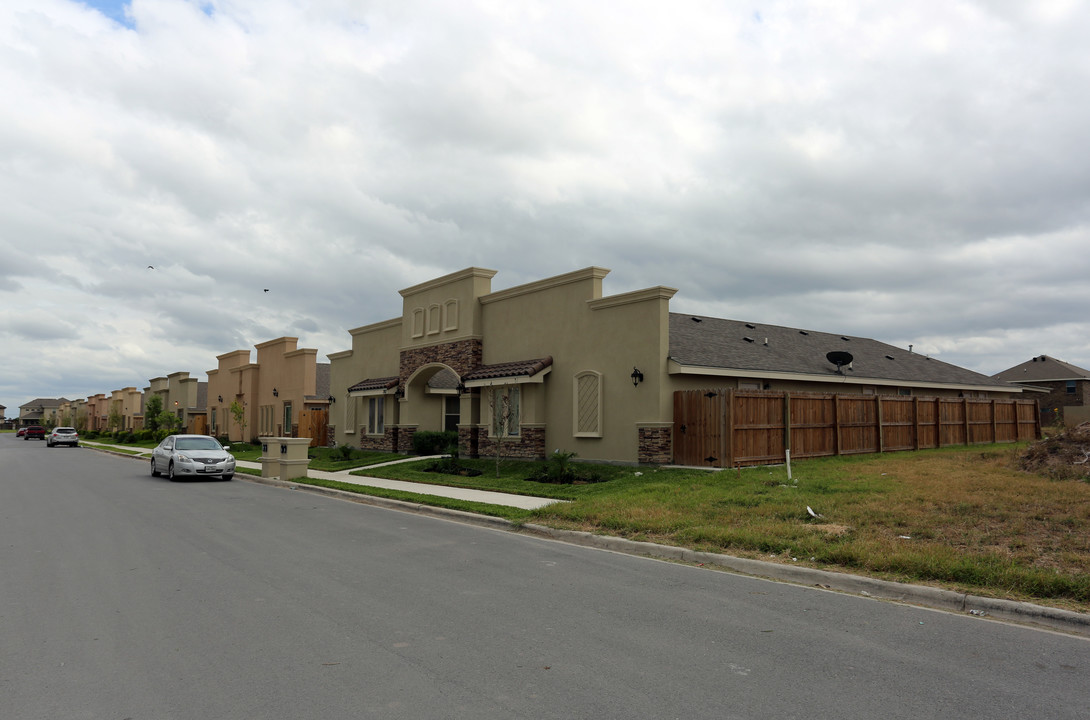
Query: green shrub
x=433 y=443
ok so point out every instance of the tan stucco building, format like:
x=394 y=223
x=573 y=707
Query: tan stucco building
x=571 y=368
x=280 y=394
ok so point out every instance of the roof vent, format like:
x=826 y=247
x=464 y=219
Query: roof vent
x=889 y=357
x=845 y=339
x=748 y=339
x=750 y=326
x=696 y=319
x=803 y=332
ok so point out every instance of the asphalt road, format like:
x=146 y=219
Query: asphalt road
x=126 y=596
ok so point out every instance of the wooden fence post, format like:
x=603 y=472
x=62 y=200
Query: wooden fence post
x=786 y=421
x=915 y=423
x=878 y=413
x=836 y=421
x=965 y=418
x=729 y=427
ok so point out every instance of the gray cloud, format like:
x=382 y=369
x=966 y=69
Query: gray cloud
x=910 y=173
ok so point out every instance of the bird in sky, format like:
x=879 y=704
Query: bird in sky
x=151 y=267
x=266 y=289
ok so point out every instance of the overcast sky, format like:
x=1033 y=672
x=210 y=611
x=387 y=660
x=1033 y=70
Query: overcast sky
x=912 y=172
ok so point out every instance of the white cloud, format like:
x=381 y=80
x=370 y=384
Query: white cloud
x=907 y=172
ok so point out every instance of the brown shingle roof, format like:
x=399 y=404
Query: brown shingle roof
x=517 y=368
x=1043 y=367
x=737 y=345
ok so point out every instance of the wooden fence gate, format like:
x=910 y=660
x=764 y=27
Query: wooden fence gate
x=726 y=428
x=314 y=423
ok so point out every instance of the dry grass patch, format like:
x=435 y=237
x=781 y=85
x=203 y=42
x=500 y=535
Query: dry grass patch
x=966 y=518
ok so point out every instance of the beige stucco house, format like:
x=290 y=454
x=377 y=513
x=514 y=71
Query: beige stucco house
x=285 y=392
x=183 y=396
x=557 y=364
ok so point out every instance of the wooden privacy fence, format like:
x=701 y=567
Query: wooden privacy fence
x=725 y=428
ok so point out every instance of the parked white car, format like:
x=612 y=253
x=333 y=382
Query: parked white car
x=62 y=436
x=195 y=456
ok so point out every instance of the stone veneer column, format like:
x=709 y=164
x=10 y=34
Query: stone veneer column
x=656 y=443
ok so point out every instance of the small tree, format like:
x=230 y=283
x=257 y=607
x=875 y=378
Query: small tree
x=115 y=419
x=151 y=413
x=238 y=412
x=166 y=423
x=499 y=401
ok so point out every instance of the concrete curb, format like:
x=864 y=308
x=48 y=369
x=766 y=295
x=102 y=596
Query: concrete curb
x=1014 y=611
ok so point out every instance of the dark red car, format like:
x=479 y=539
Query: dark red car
x=35 y=432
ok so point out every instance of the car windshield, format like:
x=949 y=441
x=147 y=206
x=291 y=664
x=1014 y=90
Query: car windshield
x=197 y=444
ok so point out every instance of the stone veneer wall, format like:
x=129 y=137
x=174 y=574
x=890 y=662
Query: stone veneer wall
x=529 y=445
x=386 y=443
x=656 y=445
x=403 y=439
x=460 y=356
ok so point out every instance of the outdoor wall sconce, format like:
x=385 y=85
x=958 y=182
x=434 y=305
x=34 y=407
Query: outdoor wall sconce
x=275 y=393
x=637 y=377
x=175 y=402
x=332 y=399
x=220 y=398
x=399 y=393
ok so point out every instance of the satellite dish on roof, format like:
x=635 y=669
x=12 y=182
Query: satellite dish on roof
x=839 y=358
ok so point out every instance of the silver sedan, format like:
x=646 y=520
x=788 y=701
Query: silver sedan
x=193 y=456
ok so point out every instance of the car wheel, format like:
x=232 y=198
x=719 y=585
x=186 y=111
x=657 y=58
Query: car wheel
x=229 y=477
x=170 y=472
x=154 y=472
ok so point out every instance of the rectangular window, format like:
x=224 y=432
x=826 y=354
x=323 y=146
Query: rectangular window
x=376 y=422
x=505 y=411
x=287 y=420
x=904 y=391
x=1070 y=387
x=452 y=412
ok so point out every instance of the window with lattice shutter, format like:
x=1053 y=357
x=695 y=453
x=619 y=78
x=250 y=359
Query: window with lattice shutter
x=588 y=404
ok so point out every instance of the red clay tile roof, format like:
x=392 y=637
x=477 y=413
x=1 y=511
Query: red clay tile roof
x=518 y=368
x=385 y=383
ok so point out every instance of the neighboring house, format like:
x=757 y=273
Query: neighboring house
x=128 y=405
x=555 y=364
x=1064 y=388
x=98 y=410
x=183 y=396
x=40 y=411
x=285 y=393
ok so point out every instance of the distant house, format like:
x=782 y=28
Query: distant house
x=40 y=411
x=1064 y=388
x=558 y=364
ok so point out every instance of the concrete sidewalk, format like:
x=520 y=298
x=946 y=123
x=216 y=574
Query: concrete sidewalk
x=526 y=502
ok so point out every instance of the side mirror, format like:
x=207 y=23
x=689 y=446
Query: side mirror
x=226 y=447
